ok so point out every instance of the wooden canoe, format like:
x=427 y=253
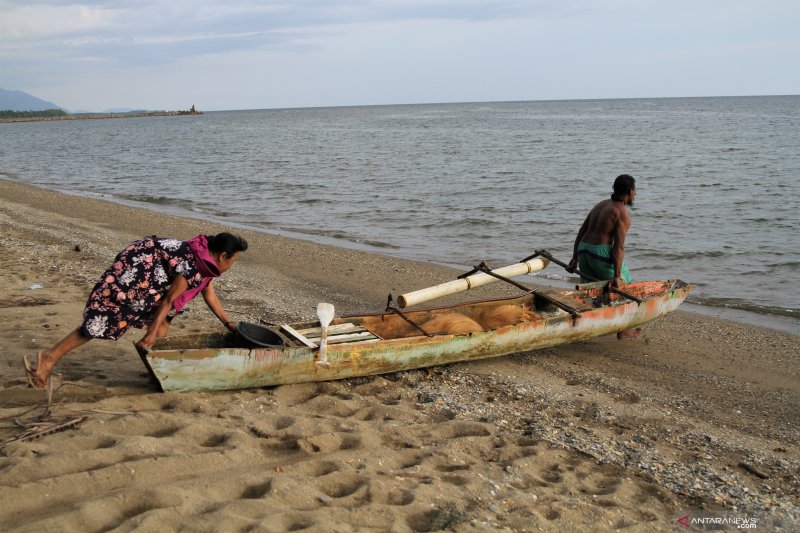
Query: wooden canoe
x=380 y=343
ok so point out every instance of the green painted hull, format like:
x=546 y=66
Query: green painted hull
x=214 y=362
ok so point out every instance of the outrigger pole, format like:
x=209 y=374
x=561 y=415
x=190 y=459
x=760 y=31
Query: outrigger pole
x=483 y=274
x=471 y=280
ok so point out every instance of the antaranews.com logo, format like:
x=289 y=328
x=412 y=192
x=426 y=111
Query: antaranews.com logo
x=712 y=521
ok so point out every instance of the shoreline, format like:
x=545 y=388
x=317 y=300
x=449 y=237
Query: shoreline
x=699 y=415
x=777 y=322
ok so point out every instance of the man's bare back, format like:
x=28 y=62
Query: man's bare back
x=601 y=240
x=607 y=222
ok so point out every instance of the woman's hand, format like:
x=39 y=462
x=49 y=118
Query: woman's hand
x=231 y=325
x=148 y=340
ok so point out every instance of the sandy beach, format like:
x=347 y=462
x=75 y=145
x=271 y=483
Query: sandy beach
x=698 y=417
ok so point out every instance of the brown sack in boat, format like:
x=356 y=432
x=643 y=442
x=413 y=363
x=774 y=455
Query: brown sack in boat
x=451 y=324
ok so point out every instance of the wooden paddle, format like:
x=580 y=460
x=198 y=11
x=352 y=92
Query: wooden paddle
x=325 y=313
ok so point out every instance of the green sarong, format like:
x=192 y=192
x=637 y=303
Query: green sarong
x=595 y=260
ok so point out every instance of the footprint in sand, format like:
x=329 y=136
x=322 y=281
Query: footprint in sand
x=453 y=468
x=283 y=422
x=297 y=523
x=408 y=459
x=216 y=440
x=316 y=468
x=105 y=443
x=605 y=486
x=164 y=432
x=348 y=490
x=268 y=424
x=553 y=474
x=461 y=429
x=552 y=514
x=257 y=490
x=271 y=445
x=382 y=493
x=328 y=443
x=400 y=441
x=458 y=481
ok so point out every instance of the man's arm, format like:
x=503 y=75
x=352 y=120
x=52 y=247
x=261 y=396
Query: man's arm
x=618 y=248
x=581 y=232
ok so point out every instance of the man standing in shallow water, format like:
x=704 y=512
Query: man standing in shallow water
x=600 y=245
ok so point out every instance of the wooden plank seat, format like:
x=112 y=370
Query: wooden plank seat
x=337 y=334
x=578 y=304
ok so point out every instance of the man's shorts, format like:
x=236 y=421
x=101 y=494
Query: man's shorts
x=595 y=260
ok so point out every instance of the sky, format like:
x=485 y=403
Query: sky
x=246 y=54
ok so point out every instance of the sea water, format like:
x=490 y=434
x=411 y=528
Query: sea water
x=718 y=180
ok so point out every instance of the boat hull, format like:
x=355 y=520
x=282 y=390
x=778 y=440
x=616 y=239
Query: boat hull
x=212 y=367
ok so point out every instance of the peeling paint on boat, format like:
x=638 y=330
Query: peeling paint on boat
x=213 y=368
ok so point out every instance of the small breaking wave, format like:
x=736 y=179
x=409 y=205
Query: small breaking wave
x=158 y=200
x=741 y=305
x=338 y=236
x=554 y=277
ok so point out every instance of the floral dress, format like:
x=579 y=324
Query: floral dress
x=130 y=291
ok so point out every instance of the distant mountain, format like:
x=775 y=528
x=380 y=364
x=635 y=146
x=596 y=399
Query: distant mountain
x=20 y=101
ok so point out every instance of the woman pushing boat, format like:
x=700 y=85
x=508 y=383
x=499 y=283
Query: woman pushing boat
x=149 y=282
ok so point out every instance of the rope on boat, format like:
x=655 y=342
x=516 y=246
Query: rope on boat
x=547 y=255
x=483 y=267
x=390 y=308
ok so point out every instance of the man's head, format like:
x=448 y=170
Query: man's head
x=624 y=189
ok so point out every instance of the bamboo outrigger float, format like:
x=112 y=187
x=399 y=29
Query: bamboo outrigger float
x=395 y=340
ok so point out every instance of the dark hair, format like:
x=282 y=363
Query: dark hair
x=226 y=243
x=623 y=185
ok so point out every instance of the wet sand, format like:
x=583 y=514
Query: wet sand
x=699 y=414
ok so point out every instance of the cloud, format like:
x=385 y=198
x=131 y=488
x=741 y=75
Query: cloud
x=330 y=52
x=29 y=22
x=116 y=33
x=79 y=25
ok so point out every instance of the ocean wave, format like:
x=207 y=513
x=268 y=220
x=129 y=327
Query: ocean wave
x=743 y=305
x=784 y=264
x=461 y=223
x=376 y=244
x=338 y=235
x=675 y=256
x=753 y=272
x=158 y=200
x=215 y=213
